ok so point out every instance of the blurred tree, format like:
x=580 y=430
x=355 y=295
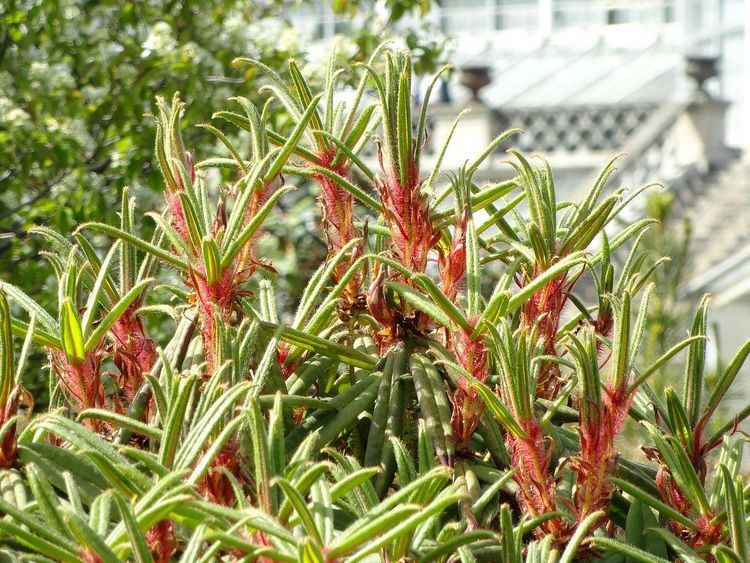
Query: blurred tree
x=670 y=308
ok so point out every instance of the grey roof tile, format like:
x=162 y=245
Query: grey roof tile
x=718 y=207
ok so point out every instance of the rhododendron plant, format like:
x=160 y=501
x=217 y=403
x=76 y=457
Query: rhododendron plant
x=455 y=382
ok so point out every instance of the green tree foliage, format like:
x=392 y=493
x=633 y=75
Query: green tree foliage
x=669 y=237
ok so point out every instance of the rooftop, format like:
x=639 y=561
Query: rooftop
x=598 y=72
x=718 y=207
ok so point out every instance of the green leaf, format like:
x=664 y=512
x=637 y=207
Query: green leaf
x=276 y=138
x=266 y=364
x=678 y=422
x=498 y=409
x=54 y=461
x=347 y=152
x=622 y=237
x=735 y=507
x=685 y=553
x=318 y=283
x=724 y=554
x=123 y=421
x=263 y=472
x=448 y=547
x=196 y=228
x=376 y=436
x=477 y=162
x=94 y=297
x=430 y=182
x=404 y=125
x=663 y=359
x=418 y=300
x=72 y=335
x=473 y=272
x=174 y=422
x=649 y=500
x=354 y=135
x=491 y=491
x=276 y=443
x=122 y=476
x=696 y=360
x=349 y=541
x=210 y=252
x=639 y=520
x=621 y=344
x=114 y=314
x=343 y=420
x=34 y=542
x=141 y=244
x=300 y=507
x=441 y=300
x=46 y=499
x=584 y=209
x=303 y=484
x=584 y=233
x=541 y=210
x=342 y=182
x=39 y=529
x=353 y=480
x=219 y=135
x=280 y=87
x=582 y=530
x=436 y=382
x=252 y=122
x=519 y=299
x=681 y=468
x=169 y=231
x=495 y=308
x=310 y=551
x=405 y=526
x=436 y=418
x=511 y=542
x=393 y=427
x=235 y=245
x=286 y=150
x=488 y=195
x=6 y=350
x=31 y=306
x=328 y=348
x=421 y=130
x=88 y=538
x=203 y=464
x=632 y=553
x=207 y=425
x=138 y=542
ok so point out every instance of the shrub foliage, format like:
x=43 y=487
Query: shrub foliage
x=443 y=391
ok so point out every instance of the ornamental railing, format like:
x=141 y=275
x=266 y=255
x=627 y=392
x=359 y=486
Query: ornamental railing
x=578 y=128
